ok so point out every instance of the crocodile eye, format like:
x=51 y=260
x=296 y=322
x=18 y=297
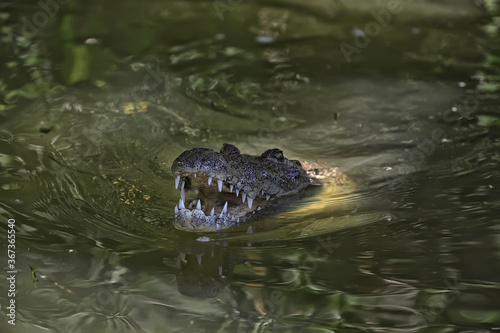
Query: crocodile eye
x=278 y=155
x=228 y=149
x=274 y=153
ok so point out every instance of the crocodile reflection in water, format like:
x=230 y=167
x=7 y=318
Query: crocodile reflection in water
x=231 y=187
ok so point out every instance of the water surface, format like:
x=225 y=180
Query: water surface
x=122 y=88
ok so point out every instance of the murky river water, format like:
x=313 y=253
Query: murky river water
x=391 y=93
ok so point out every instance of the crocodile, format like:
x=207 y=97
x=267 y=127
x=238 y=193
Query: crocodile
x=231 y=187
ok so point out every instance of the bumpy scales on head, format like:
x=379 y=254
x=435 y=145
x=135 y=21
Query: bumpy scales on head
x=231 y=186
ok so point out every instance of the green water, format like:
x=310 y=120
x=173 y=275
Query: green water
x=101 y=97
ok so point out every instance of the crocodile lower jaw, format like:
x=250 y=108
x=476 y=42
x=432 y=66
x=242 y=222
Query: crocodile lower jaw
x=218 y=204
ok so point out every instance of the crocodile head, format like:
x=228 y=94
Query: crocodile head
x=231 y=186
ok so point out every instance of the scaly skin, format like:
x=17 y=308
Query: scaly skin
x=232 y=186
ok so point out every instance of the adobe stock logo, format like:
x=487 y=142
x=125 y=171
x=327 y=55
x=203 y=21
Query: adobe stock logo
x=372 y=29
x=30 y=27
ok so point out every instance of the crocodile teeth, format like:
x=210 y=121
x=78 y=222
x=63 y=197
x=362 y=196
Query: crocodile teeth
x=197 y=191
x=237 y=192
x=262 y=192
x=177 y=180
x=219 y=183
x=176 y=210
x=209 y=180
x=231 y=188
x=181 y=204
x=194 y=175
x=238 y=221
x=268 y=197
x=183 y=192
x=198 y=257
x=198 y=205
x=224 y=210
x=212 y=212
x=243 y=196
x=250 y=202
